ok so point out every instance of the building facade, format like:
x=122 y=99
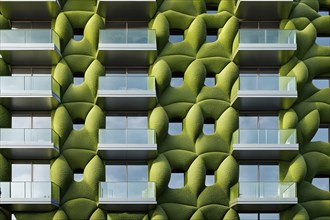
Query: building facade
x=167 y=109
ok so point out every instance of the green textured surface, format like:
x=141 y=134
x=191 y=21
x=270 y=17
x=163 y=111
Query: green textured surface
x=191 y=151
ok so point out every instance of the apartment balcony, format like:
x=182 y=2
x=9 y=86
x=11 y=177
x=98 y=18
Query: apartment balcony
x=27 y=47
x=263 y=196
x=29 y=196
x=25 y=10
x=29 y=143
x=264 y=47
x=29 y=92
x=264 y=144
x=127 y=196
x=263 y=9
x=130 y=10
x=127 y=144
x=264 y=92
x=127 y=47
x=127 y=92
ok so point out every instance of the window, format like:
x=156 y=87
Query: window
x=177 y=180
x=31 y=121
x=211 y=8
x=322 y=134
x=126 y=173
x=30 y=172
x=78 y=34
x=209 y=80
x=176 y=35
x=209 y=178
x=322 y=183
x=177 y=79
x=209 y=126
x=323 y=12
x=78 y=123
x=259 y=216
x=211 y=35
x=175 y=126
x=78 y=78
x=126 y=122
x=258 y=122
x=78 y=175
x=129 y=78
x=321 y=83
x=260 y=24
x=323 y=41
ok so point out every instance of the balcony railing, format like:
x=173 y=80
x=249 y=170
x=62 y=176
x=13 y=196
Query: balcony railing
x=29 y=85
x=126 y=136
x=265 y=136
x=29 y=190
x=267 y=36
x=128 y=36
x=263 y=190
x=126 y=83
x=127 y=191
x=274 y=83
x=28 y=36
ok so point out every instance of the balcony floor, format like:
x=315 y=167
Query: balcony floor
x=33 y=151
x=136 y=205
x=264 y=100
x=265 y=151
x=127 y=151
x=262 y=204
x=29 y=204
x=29 y=102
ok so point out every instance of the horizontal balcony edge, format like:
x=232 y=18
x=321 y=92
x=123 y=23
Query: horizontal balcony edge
x=28 y=46
x=112 y=46
x=123 y=147
x=265 y=46
x=263 y=147
x=266 y=94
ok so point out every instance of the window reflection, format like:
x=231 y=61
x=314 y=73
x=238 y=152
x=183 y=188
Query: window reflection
x=127 y=122
x=31 y=121
x=176 y=181
x=321 y=83
x=174 y=127
x=176 y=81
x=258 y=122
x=322 y=183
x=259 y=216
x=209 y=81
x=127 y=173
x=30 y=172
x=322 y=134
x=258 y=172
x=323 y=41
x=176 y=35
x=209 y=179
x=209 y=126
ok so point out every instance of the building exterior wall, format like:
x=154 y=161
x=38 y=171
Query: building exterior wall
x=191 y=151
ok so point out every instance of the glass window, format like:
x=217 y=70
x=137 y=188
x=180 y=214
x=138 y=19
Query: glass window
x=126 y=122
x=30 y=172
x=176 y=35
x=176 y=81
x=259 y=216
x=322 y=183
x=258 y=172
x=78 y=34
x=174 y=127
x=323 y=12
x=127 y=172
x=41 y=172
x=321 y=83
x=78 y=78
x=21 y=122
x=323 y=41
x=176 y=181
x=211 y=8
x=41 y=122
x=209 y=81
x=211 y=35
x=78 y=175
x=322 y=134
x=209 y=179
x=209 y=126
x=78 y=123
x=31 y=121
x=258 y=122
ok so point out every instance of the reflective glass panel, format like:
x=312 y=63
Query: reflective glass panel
x=211 y=37
x=137 y=173
x=248 y=122
x=116 y=173
x=41 y=172
x=174 y=128
x=323 y=41
x=21 y=172
x=176 y=81
x=268 y=122
x=209 y=180
x=41 y=122
x=208 y=128
x=248 y=172
x=321 y=83
x=322 y=134
x=248 y=216
x=176 y=181
x=137 y=122
x=115 y=122
x=269 y=216
x=322 y=183
x=175 y=38
x=21 y=122
x=209 y=81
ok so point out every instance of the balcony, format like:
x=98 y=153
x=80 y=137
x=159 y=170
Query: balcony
x=263 y=9
x=28 y=47
x=29 y=196
x=127 y=47
x=26 y=10
x=264 y=92
x=263 y=196
x=130 y=10
x=29 y=92
x=264 y=47
x=127 y=144
x=28 y=143
x=127 y=196
x=127 y=92
x=277 y=144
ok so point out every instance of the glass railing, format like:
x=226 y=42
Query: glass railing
x=127 y=190
x=128 y=36
x=276 y=83
x=28 y=136
x=28 y=36
x=267 y=36
x=263 y=190
x=28 y=84
x=126 y=83
x=29 y=190
x=265 y=136
x=127 y=136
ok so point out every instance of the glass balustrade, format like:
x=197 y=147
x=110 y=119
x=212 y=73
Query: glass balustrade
x=129 y=136
x=126 y=83
x=265 y=136
x=267 y=190
x=267 y=36
x=29 y=190
x=28 y=36
x=275 y=83
x=127 y=190
x=28 y=135
x=128 y=36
